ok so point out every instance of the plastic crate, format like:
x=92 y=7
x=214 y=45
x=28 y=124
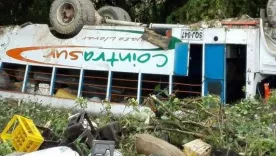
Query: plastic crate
x=25 y=137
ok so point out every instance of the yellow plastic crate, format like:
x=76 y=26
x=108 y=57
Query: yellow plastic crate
x=24 y=135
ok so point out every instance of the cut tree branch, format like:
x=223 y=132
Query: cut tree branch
x=204 y=110
x=164 y=107
x=193 y=123
x=183 y=132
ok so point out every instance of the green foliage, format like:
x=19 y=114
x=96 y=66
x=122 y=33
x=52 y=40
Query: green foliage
x=19 y=12
x=106 y=111
x=6 y=148
x=82 y=102
x=154 y=11
x=248 y=127
x=38 y=113
x=197 y=10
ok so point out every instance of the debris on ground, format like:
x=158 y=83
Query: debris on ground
x=77 y=136
x=24 y=134
x=148 y=144
x=197 y=148
x=170 y=125
x=55 y=151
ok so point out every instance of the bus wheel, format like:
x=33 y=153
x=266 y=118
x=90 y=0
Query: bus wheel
x=271 y=12
x=66 y=16
x=114 y=13
x=89 y=16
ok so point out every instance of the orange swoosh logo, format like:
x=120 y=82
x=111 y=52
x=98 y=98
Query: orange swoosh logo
x=16 y=53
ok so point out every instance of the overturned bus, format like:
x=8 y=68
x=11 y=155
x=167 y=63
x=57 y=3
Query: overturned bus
x=233 y=60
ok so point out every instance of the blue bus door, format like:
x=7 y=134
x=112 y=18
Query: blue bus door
x=214 y=71
x=181 y=59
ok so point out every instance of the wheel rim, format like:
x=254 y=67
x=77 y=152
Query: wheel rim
x=66 y=14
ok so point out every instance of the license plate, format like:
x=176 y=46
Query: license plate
x=191 y=35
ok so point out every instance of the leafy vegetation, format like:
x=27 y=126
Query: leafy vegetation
x=6 y=148
x=247 y=127
x=157 y=11
x=197 y=10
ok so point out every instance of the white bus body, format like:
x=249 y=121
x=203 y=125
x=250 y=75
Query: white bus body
x=121 y=50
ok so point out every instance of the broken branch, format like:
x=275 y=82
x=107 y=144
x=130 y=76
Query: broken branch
x=164 y=107
x=184 y=132
x=193 y=123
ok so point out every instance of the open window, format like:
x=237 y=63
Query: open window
x=66 y=83
x=94 y=85
x=12 y=77
x=154 y=84
x=190 y=85
x=124 y=86
x=39 y=80
x=236 y=72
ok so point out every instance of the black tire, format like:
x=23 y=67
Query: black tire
x=114 y=13
x=271 y=12
x=125 y=15
x=72 y=26
x=88 y=13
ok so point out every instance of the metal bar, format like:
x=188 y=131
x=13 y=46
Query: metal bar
x=262 y=13
x=171 y=84
x=152 y=25
x=240 y=22
x=109 y=84
x=109 y=21
x=188 y=58
x=1 y=63
x=52 y=85
x=139 y=88
x=203 y=70
x=80 y=82
x=25 y=78
x=225 y=74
